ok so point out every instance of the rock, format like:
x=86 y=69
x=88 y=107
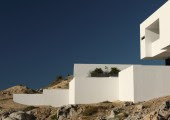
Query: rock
x=10 y=119
x=140 y=107
x=29 y=112
x=150 y=116
x=39 y=90
x=165 y=105
x=115 y=111
x=4 y=115
x=72 y=112
x=164 y=111
x=67 y=111
x=61 y=118
x=128 y=103
x=111 y=116
x=20 y=115
x=112 y=113
x=136 y=117
x=103 y=118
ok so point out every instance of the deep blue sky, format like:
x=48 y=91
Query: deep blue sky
x=42 y=39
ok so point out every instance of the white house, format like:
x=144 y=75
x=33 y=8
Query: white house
x=134 y=82
x=155 y=34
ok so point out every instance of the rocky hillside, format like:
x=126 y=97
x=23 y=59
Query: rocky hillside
x=10 y=110
x=156 y=109
x=18 y=89
x=60 y=83
x=6 y=96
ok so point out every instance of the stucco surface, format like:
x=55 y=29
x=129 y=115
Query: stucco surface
x=55 y=98
x=126 y=84
x=72 y=92
x=151 y=82
x=135 y=83
x=93 y=90
x=155 y=45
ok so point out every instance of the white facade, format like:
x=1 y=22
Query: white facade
x=134 y=82
x=155 y=34
x=72 y=91
x=144 y=82
x=55 y=98
x=126 y=82
x=83 y=89
x=151 y=82
x=94 y=90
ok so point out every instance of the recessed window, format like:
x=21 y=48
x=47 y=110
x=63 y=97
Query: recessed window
x=154 y=27
x=152 y=32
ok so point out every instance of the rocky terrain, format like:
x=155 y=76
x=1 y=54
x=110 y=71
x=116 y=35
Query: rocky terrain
x=156 y=109
x=60 y=83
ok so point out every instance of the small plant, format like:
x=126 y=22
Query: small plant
x=56 y=81
x=59 y=77
x=114 y=72
x=98 y=72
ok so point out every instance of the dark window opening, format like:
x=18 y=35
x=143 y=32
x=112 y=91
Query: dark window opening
x=143 y=38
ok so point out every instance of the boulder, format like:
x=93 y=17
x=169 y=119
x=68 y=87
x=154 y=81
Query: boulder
x=164 y=111
x=67 y=111
x=128 y=103
x=19 y=115
x=140 y=107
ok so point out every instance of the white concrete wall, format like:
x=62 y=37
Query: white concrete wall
x=55 y=98
x=29 y=99
x=94 y=90
x=151 y=82
x=83 y=70
x=72 y=92
x=144 y=82
x=126 y=84
x=135 y=83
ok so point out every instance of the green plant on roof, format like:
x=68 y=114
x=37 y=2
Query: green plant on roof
x=98 y=72
x=114 y=71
